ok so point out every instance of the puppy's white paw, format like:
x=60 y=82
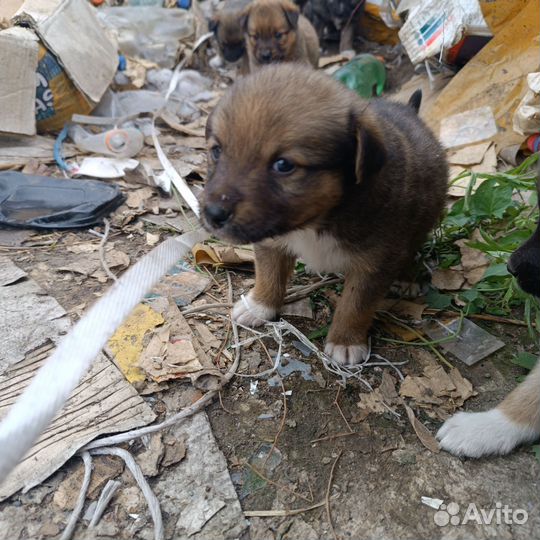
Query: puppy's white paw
x=249 y=312
x=482 y=434
x=347 y=355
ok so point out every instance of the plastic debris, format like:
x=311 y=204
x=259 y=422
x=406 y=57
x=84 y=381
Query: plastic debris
x=470 y=346
x=43 y=202
x=365 y=74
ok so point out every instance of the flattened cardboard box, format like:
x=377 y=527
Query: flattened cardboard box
x=68 y=28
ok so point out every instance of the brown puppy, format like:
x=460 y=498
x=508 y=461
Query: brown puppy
x=305 y=168
x=228 y=31
x=276 y=32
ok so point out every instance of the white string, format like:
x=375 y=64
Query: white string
x=59 y=376
x=151 y=499
x=106 y=495
x=72 y=522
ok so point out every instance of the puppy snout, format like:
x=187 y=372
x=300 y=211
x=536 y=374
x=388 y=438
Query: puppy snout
x=217 y=214
x=265 y=57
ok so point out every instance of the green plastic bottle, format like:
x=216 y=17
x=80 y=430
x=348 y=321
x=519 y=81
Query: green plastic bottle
x=364 y=74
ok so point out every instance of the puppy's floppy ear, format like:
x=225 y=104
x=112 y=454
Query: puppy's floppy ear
x=292 y=13
x=370 y=148
x=244 y=19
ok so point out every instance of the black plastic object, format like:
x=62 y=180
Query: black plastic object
x=42 y=202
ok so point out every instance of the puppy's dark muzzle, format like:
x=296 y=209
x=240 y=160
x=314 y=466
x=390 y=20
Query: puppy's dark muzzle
x=217 y=215
x=265 y=57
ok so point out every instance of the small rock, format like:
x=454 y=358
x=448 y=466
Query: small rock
x=404 y=457
x=130 y=499
x=174 y=453
x=151 y=457
x=291 y=423
x=326 y=460
x=49 y=529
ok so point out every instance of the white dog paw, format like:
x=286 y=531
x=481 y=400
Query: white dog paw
x=249 y=312
x=347 y=355
x=481 y=434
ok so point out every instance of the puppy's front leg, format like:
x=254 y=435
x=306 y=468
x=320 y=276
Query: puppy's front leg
x=347 y=341
x=273 y=266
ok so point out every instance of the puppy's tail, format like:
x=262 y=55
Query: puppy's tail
x=415 y=100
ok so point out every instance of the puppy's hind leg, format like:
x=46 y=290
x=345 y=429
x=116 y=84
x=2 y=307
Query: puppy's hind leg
x=273 y=267
x=515 y=421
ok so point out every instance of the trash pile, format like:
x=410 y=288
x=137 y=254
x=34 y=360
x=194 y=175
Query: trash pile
x=103 y=108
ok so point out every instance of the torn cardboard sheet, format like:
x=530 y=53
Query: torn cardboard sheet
x=210 y=506
x=103 y=402
x=19 y=60
x=28 y=318
x=468 y=127
x=53 y=22
x=174 y=352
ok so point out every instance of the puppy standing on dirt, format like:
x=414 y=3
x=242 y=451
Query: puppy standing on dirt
x=517 y=419
x=227 y=27
x=303 y=167
x=276 y=32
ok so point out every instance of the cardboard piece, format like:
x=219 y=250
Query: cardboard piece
x=103 y=402
x=92 y=63
x=18 y=58
x=70 y=30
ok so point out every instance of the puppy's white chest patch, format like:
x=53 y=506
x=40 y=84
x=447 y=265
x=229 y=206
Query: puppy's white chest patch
x=320 y=252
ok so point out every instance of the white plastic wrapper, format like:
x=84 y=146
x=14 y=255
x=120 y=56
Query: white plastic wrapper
x=434 y=26
x=527 y=115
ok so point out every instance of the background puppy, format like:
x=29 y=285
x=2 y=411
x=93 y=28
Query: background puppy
x=339 y=17
x=227 y=27
x=276 y=32
x=305 y=168
x=517 y=419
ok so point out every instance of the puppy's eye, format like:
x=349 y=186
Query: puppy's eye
x=215 y=152
x=278 y=35
x=283 y=166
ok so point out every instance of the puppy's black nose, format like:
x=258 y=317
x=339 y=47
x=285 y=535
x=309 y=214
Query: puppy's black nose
x=217 y=215
x=266 y=56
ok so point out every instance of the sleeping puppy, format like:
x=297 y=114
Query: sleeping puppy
x=276 y=32
x=516 y=419
x=303 y=167
x=226 y=25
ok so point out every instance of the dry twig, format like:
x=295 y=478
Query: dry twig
x=327 y=498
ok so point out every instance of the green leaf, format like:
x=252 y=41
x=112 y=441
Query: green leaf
x=496 y=270
x=436 y=300
x=491 y=200
x=319 y=333
x=525 y=360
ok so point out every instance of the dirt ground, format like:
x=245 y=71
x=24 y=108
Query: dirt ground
x=381 y=470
